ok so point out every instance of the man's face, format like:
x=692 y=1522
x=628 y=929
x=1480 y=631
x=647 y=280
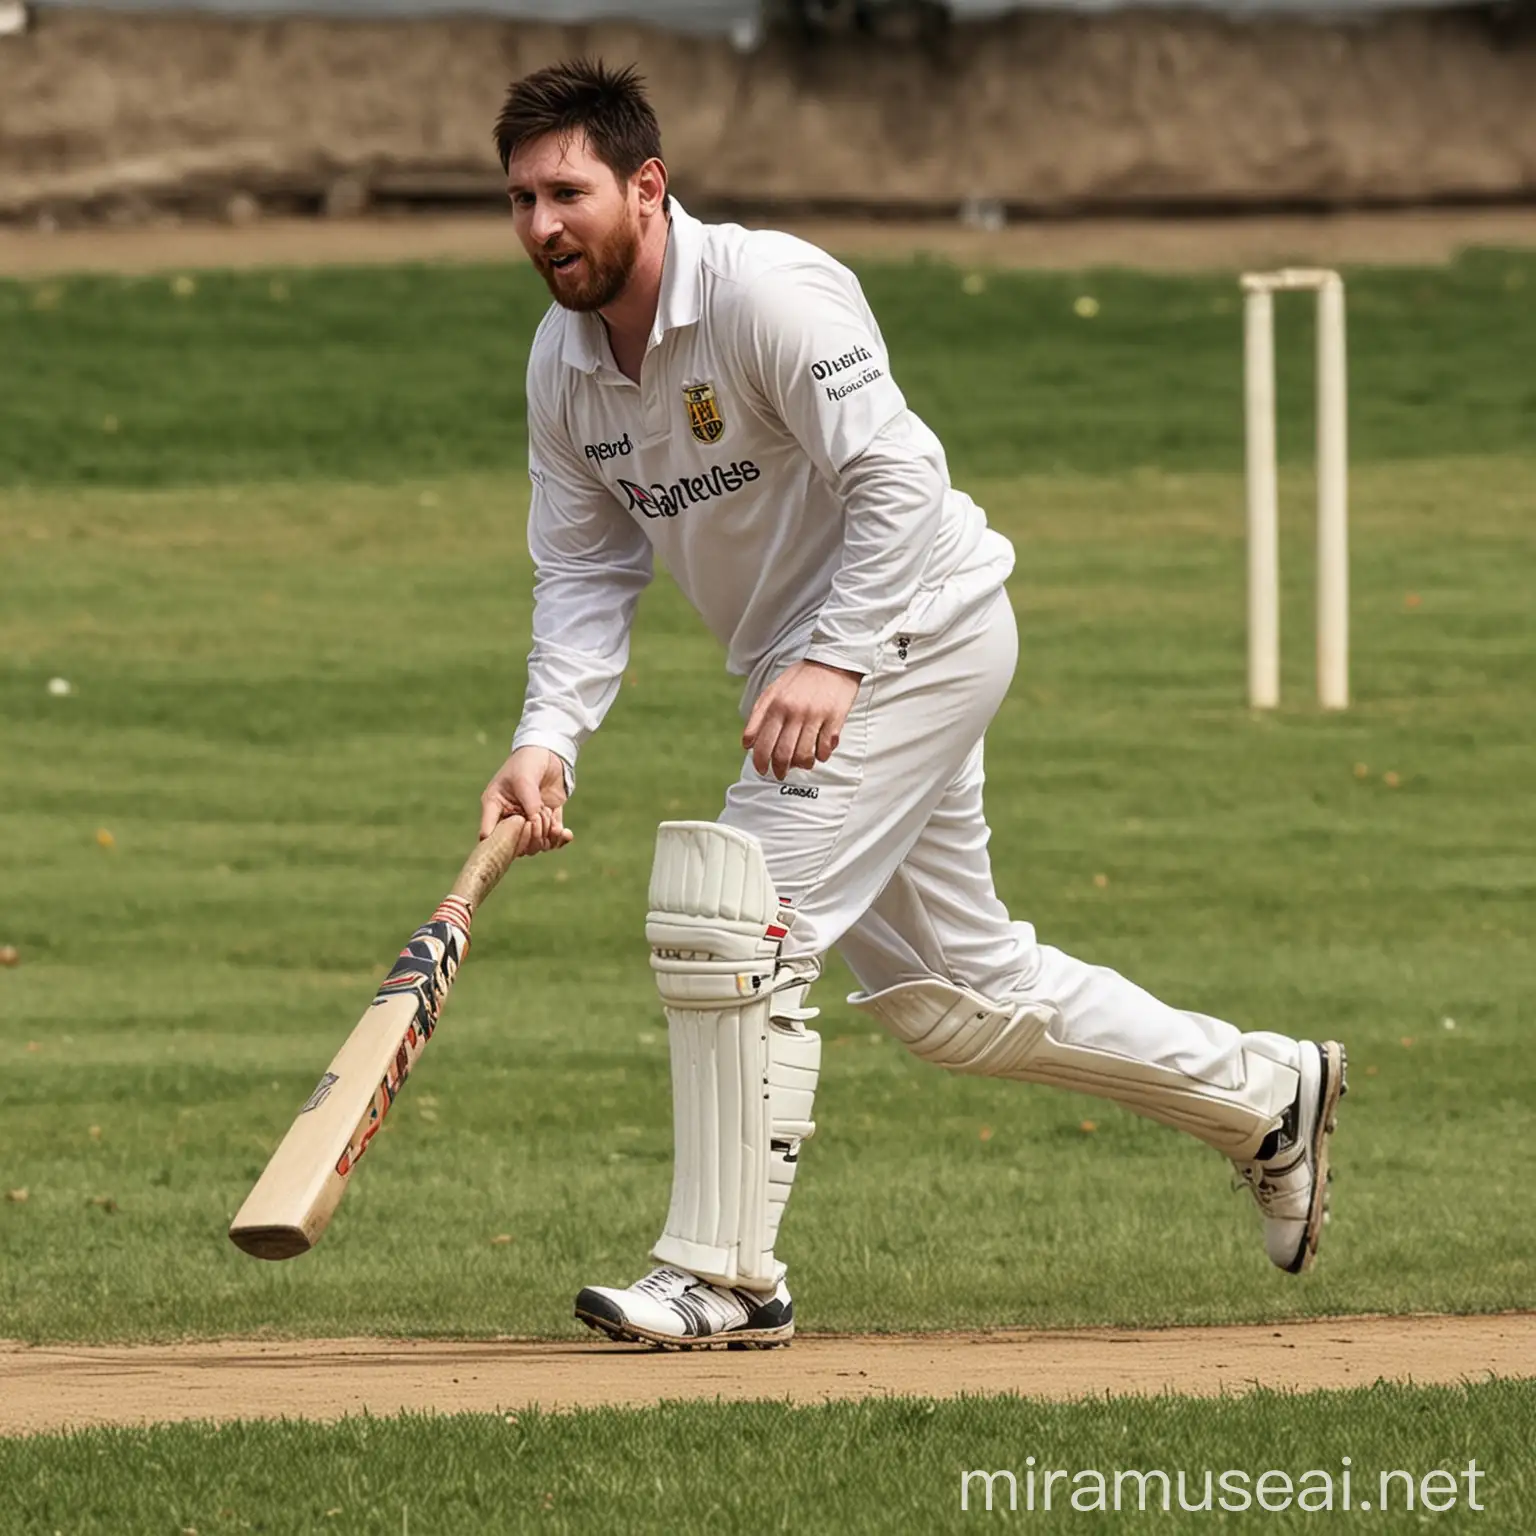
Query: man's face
x=579 y=225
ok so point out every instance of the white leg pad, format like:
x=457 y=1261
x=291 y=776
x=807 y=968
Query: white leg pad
x=958 y=1029
x=743 y=1081
x=794 y=1065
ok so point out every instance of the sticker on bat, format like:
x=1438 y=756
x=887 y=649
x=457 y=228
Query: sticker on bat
x=426 y=968
x=321 y=1094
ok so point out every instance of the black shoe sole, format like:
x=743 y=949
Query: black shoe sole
x=1334 y=1085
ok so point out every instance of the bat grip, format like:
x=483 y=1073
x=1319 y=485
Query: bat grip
x=490 y=861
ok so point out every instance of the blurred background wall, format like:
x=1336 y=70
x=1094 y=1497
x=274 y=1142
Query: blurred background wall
x=872 y=106
x=746 y=18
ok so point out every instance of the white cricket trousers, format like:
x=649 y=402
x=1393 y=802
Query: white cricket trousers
x=883 y=851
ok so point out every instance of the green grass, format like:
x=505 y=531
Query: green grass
x=294 y=613
x=857 y=1467
x=374 y=374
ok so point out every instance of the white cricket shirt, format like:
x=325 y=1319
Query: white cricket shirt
x=766 y=456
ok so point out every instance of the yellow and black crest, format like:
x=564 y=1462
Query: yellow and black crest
x=704 y=418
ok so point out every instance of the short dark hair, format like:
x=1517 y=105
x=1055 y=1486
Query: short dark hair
x=582 y=96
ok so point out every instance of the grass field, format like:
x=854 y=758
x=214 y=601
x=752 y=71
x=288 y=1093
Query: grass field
x=270 y=531
x=865 y=1467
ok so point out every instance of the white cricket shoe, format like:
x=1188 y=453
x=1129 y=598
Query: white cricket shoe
x=676 y=1310
x=1289 y=1179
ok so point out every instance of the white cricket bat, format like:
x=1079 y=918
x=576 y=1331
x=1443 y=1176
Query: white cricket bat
x=298 y=1192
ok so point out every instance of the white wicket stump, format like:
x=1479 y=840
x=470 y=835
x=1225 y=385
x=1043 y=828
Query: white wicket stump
x=1259 y=289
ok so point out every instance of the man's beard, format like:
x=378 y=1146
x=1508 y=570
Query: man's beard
x=600 y=275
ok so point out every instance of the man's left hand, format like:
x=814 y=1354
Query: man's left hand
x=798 y=718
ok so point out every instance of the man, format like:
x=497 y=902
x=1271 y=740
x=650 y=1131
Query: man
x=723 y=398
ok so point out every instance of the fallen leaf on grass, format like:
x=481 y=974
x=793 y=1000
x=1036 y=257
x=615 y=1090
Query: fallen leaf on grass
x=501 y=1240
x=16 y=1196
x=1088 y=1127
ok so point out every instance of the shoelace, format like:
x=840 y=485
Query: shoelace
x=1253 y=1177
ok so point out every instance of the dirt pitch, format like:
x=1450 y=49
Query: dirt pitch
x=70 y=1386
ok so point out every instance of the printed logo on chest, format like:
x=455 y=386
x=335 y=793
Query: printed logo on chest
x=704 y=418
x=601 y=452
x=663 y=499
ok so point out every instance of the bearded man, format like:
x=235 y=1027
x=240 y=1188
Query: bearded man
x=723 y=398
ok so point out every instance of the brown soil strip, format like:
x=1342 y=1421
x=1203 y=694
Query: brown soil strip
x=61 y=1387
x=1164 y=244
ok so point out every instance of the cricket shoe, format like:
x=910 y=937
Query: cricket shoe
x=673 y=1309
x=1289 y=1177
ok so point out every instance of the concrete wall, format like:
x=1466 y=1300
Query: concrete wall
x=1049 y=113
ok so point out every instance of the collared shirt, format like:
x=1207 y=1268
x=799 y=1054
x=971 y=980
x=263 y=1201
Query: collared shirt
x=766 y=455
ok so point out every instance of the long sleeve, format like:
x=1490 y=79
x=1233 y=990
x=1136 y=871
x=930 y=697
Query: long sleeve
x=813 y=350
x=591 y=563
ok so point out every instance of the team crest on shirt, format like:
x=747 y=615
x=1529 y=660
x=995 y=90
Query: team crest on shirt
x=704 y=418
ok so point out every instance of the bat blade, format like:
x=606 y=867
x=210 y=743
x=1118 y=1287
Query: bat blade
x=297 y=1194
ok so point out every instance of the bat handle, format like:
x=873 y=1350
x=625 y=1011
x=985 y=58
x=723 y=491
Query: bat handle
x=490 y=861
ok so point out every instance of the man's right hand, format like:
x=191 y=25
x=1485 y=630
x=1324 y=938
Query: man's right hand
x=531 y=784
